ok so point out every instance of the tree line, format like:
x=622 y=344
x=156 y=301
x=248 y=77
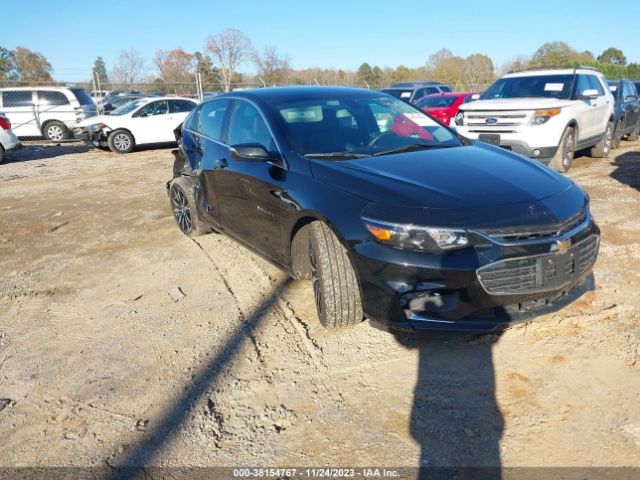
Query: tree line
x=226 y=53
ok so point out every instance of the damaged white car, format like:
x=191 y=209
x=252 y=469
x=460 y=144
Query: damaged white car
x=140 y=122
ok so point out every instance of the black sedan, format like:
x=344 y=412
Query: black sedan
x=390 y=214
x=626 y=111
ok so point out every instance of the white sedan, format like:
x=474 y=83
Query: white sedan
x=140 y=122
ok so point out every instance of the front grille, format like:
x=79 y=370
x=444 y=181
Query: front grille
x=502 y=121
x=536 y=232
x=539 y=273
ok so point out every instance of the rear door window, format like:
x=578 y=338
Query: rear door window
x=52 y=98
x=211 y=118
x=181 y=106
x=17 y=98
x=154 y=108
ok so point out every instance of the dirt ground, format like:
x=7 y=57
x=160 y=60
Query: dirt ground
x=123 y=342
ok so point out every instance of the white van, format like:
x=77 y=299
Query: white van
x=51 y=112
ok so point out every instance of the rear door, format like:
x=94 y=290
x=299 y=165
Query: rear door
x=19 y=107
x=54 y=105
x=249 y=191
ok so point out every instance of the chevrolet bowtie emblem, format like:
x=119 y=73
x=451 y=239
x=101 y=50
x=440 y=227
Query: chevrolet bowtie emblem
x=561 y=246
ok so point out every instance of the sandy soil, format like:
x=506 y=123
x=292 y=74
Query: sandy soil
x=124 y=342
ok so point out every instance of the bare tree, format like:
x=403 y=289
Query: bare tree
x=477 y=71
x=129 y=68
x=514 y=64
x=272 y=67
x=230 y=48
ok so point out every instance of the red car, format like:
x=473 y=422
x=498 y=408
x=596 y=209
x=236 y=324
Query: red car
x=444 y=106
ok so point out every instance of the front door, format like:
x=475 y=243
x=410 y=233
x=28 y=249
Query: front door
x=249 y=191
x=153 y=123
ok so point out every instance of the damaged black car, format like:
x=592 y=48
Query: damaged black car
x=390 y=214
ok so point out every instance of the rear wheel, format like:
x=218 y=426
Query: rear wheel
x=183 y=206
x=602 y=149
x=633 y=136
x=335 y=285
x=563 y=159
x=55 y=131
x=121 y=141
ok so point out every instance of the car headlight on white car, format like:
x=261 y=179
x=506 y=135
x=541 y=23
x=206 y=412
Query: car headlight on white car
x=542 y=116
x=414 y=237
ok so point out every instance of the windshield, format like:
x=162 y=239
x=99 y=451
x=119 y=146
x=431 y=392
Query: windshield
x=436 y=102
x=359 y=125
x=128 y=107
x=535 y=86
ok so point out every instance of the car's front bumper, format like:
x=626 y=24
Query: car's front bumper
x=462 y=290
x=96 y=139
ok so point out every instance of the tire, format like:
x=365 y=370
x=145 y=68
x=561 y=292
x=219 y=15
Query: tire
x=121 y=141
x=633 y=136
x=563 y=159
x=335 y=285
x=602 y=149
x=55 y=131
x=183 y=206
x=617 y=136
x=1 y=153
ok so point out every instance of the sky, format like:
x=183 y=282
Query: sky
x=325 y=33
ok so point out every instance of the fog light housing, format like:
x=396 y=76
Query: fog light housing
x=429 y=302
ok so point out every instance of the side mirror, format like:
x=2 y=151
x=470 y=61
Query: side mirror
x=250 y=152
x=631 y=98
x=589 y=94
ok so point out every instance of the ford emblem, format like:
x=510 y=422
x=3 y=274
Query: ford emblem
x=491 y=120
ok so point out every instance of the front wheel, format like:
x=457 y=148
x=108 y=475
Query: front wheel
x=335 y=285
x=121 y=141
x=603 y=148
x=563 y=159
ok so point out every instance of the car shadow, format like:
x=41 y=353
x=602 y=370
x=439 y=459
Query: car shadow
x=455 y=416
x=43 y=151
x=627 y=169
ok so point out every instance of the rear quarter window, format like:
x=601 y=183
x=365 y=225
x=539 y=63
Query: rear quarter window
x=82 y=96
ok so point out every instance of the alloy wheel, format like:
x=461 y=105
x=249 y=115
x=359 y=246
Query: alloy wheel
x=55 y=133
x=317 y=293
x=568 y=150
x=608 y=138
x=181 y=210
x=122 y=142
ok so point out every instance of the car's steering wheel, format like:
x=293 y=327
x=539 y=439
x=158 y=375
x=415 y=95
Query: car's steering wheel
x=374 y=141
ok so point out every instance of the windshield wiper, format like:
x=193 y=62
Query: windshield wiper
x=337 y=155
x=413 y=147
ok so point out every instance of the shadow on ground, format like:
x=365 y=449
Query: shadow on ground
x=43 y=151
x=627 y=169
x=455 y=416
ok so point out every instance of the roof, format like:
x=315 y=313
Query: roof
x=279 y=94
x=551 y=71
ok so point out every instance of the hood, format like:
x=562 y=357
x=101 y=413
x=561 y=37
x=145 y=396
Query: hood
x=515 y=104
x=461 y=183
x=97 y=119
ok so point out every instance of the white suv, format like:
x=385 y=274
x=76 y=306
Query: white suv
x=544 y=114
x=52 y=112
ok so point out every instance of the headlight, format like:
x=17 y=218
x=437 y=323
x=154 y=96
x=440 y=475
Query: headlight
x=96 y=127
x=543 y=116
x=413 y=237
x=459 y=118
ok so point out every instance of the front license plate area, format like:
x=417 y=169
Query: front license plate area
x=490 y=138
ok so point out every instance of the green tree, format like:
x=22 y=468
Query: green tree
x=7 y=65
x=100 y=70
x=559 y=54
x=204 y=65
x=613 y=56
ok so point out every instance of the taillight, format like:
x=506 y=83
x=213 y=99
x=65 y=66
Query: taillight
x=5 y=123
